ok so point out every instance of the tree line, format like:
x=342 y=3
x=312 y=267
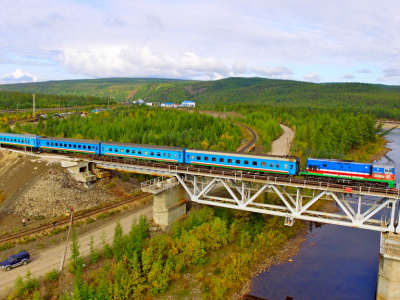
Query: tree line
x=145 y=125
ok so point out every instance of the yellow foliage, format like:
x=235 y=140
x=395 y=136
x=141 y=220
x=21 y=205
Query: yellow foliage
x=205 y=144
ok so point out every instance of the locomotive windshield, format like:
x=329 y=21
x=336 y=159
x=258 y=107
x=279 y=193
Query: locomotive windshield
x=389 y=171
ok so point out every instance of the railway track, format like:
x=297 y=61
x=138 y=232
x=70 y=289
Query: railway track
x=65 y=220
x=250 y=145
x=267 y=177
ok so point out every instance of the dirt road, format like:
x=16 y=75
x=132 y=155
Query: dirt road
x=281 y=145
x=51 y=259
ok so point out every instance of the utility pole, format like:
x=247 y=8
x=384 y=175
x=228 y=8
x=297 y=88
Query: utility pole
x=34 y=113
x=66 y=245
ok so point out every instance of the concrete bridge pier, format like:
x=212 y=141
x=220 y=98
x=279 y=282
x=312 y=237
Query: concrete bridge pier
x=169 y=201
x=388 y=287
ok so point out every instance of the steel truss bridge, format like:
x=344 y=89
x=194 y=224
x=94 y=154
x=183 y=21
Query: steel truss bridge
x=363 y=207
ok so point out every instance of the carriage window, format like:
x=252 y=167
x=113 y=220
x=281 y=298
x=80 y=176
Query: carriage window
x=116 y=150
x=52 y=144
x=324 y=165
x=127 y=151
x=206 y=158
x=70 y=145
x=271 y=165
x=145 y=152
x=169 y=154
x=221 y=160
x=277 y=165
x=84 y=146
x=139 y=152
x=229 y=161
x=121 y=150
x=56 y=144
x=74 y=145
x=89 y=147
x=164 y=154
x=175 y=155
x=291 y=167
x=238 y=161
x=152 y=153
x=47 y=143
x=198 y=157
x=133 y=151
x=285 y=166
x=213 y=159
x=158 y=154
x=254 y=163
x=79 y=146
x=263 y=164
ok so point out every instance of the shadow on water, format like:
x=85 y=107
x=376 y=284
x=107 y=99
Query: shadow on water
x=334 y=262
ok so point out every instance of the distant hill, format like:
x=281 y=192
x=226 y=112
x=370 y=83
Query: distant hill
x=380 y=99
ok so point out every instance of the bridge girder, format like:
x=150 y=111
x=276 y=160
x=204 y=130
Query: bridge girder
x=297 y=200
x=244 y=196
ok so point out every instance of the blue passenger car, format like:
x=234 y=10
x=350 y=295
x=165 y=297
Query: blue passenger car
x=19 y=140
x=69 y=145
x=258 y=163
x=145 y=152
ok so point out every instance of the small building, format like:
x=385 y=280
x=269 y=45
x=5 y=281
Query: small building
x=97 y=110
x=188 y=104
x=139 y=102
x=152 y=103
x=169 y=105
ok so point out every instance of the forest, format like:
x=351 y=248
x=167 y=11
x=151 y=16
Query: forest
x=380 y=100
x=18 y=100
x=144 y=125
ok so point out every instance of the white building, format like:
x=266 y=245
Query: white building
x=188 y=104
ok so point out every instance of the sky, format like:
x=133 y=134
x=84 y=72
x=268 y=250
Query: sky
x=308 y=40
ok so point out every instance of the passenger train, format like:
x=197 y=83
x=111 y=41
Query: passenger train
x=329 y=170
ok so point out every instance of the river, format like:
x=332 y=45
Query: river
x=334 y=262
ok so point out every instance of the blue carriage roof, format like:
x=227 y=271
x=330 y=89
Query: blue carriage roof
x=154 y=147
x=244 y=155
x=55 y=139
x=18 y=135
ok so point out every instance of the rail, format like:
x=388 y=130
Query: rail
x=65 y=220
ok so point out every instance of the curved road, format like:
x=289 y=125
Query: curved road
x=281 y=146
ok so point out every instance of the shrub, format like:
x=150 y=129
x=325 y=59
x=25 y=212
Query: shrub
x=51 y=276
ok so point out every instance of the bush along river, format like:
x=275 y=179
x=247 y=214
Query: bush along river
x=334 y=262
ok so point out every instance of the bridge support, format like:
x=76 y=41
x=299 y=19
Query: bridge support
x=169 y=201
x=388 y=287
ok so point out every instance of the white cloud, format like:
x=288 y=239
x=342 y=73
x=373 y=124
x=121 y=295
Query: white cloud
x=18 y=77
x=312 y=77
x=391 y=72
x=364 y=71
x=348 y=76
x=109 y=61
x=273 y=72
x=201 y=40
